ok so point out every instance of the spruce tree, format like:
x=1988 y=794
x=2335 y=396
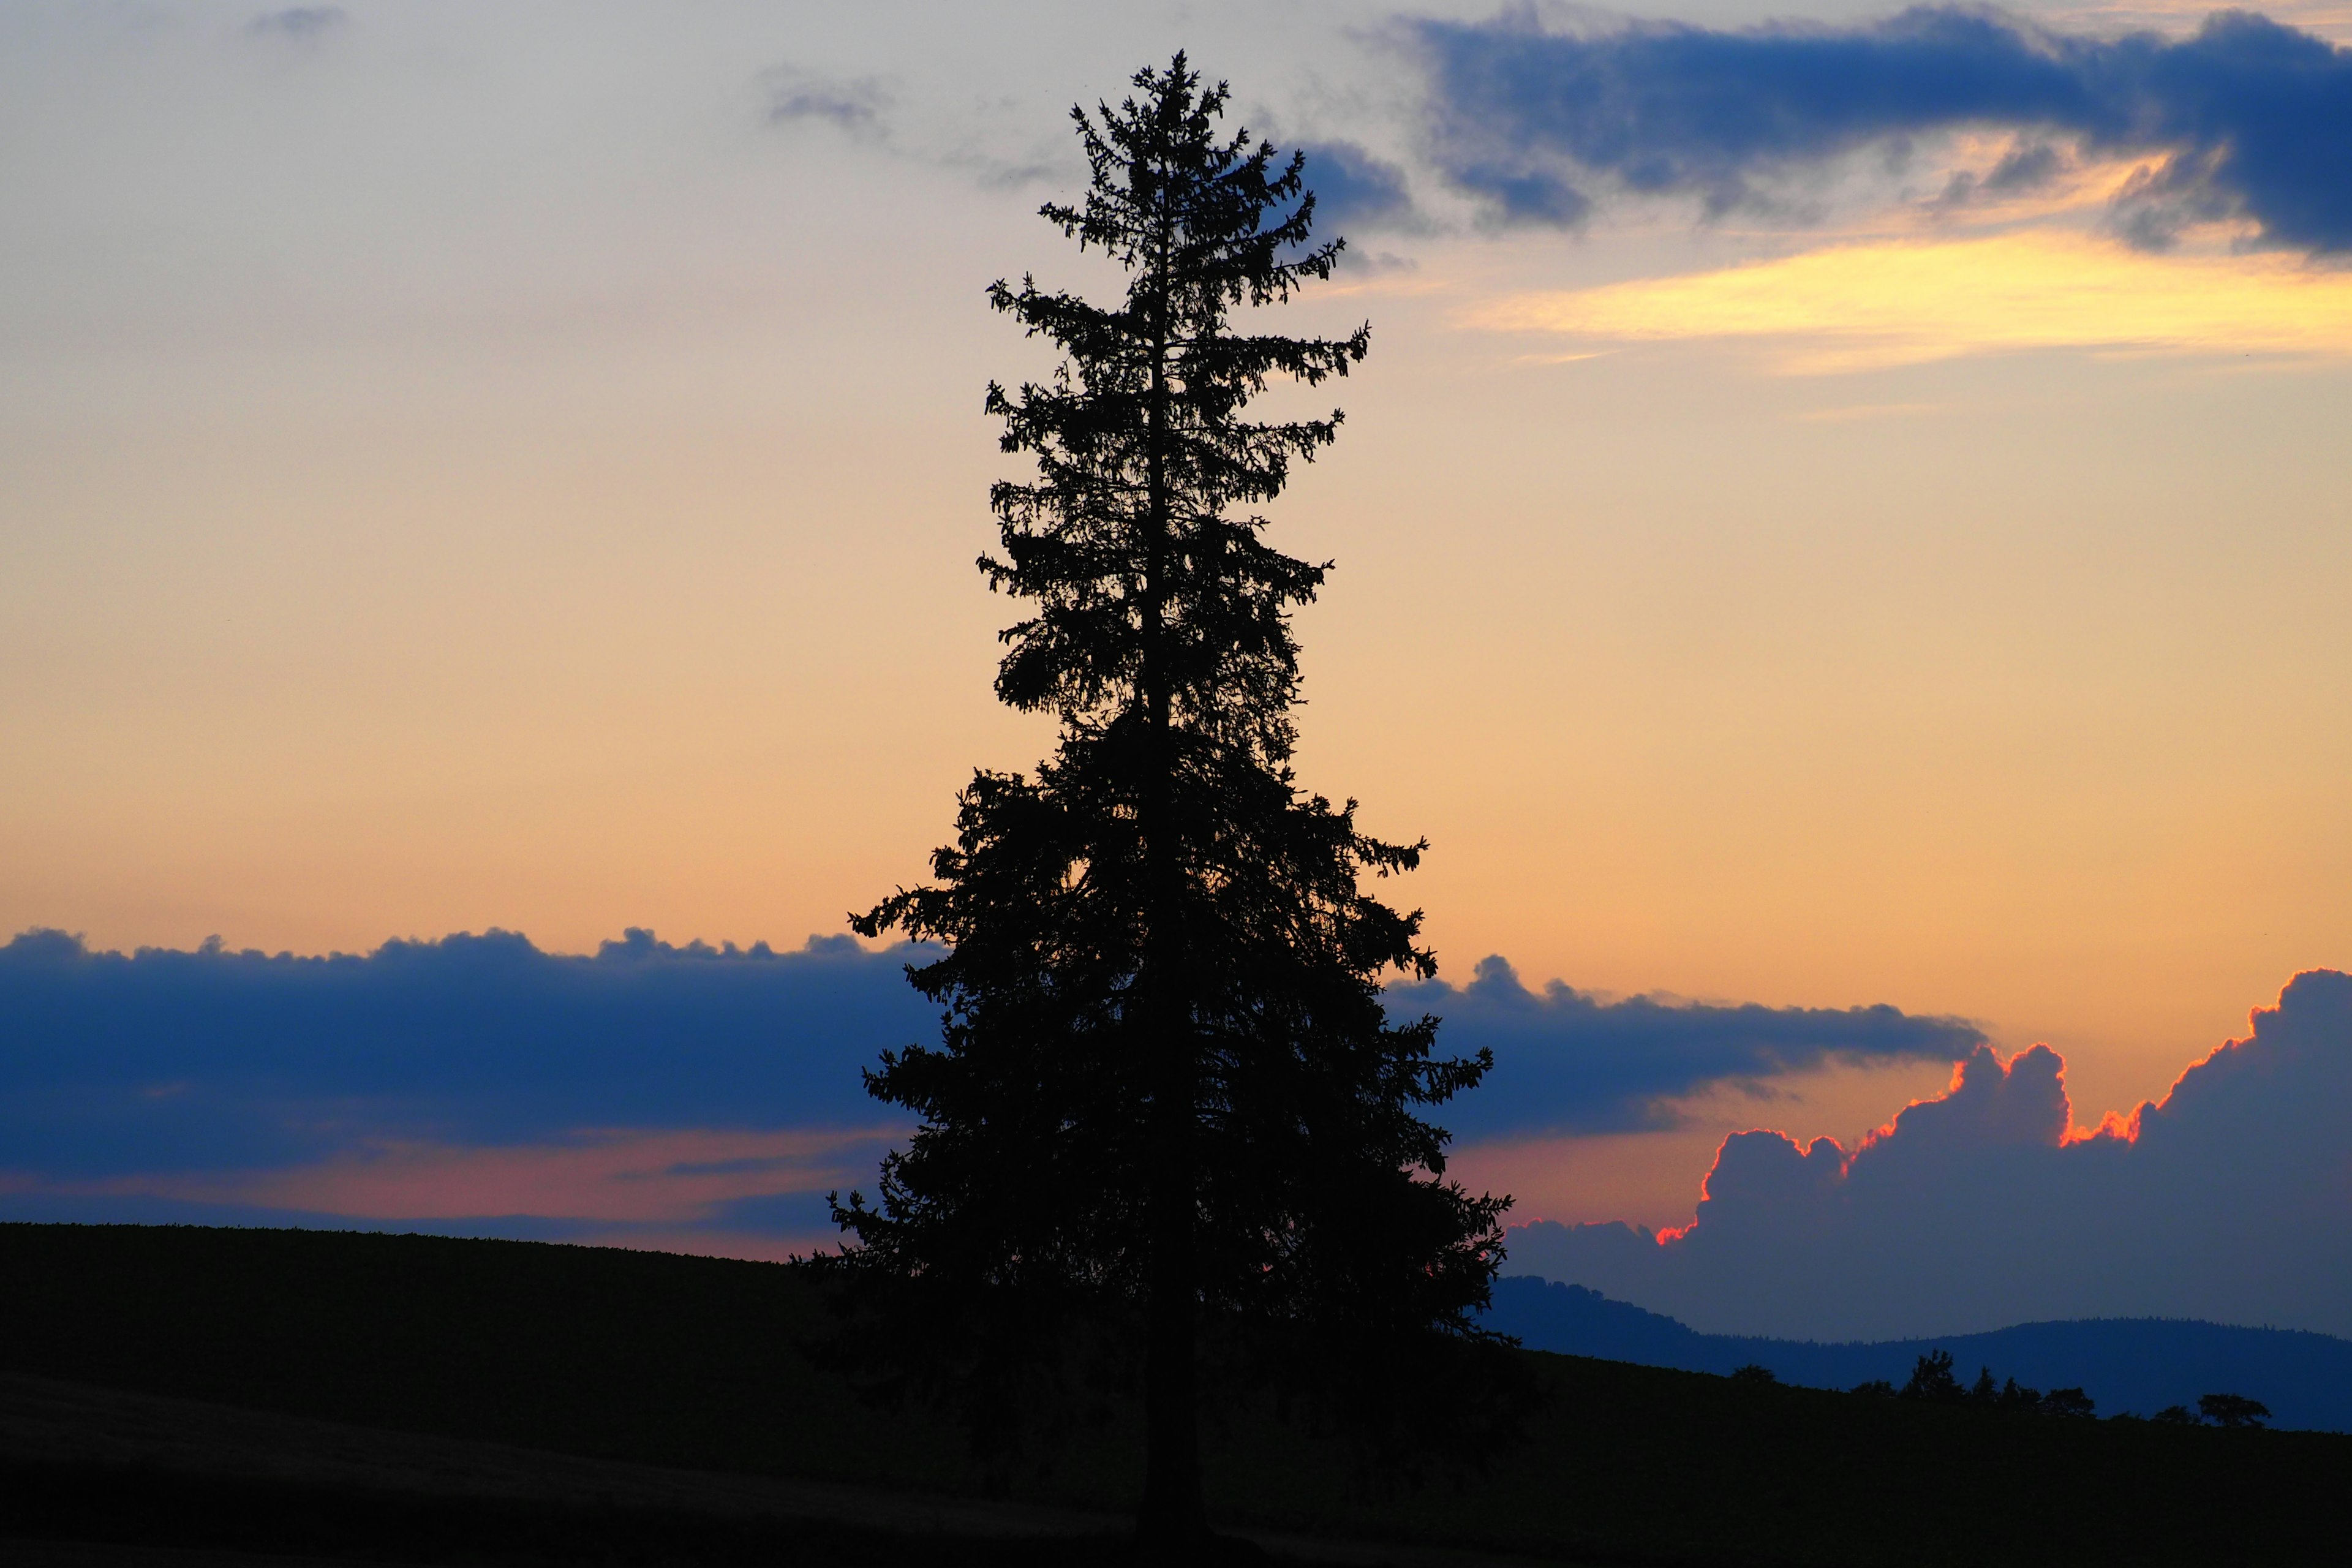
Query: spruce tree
x=1167 y=1115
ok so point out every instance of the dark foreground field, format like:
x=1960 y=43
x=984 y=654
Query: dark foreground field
x=329 y=1396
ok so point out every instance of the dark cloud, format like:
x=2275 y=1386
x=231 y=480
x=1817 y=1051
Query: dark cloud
x=1566 y=1061
x=1353 y=188
x=2027 y=167
x=163 y=1060
x=2228 y=1201
x=304 y=23
x=215 y=1060
x=2243 y=119
x=856 y=107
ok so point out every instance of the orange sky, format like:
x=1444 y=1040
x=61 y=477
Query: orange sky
x=405 y=542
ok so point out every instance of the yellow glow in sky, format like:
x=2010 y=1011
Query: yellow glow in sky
x=1859 y=306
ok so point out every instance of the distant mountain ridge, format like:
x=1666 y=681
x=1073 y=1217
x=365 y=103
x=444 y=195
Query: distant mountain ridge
x=2136 y=1364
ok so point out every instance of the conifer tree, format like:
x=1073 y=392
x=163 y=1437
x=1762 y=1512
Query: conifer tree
x=1168 y=1111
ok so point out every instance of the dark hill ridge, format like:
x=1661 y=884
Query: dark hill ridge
x=2137 y=1364
x=694 y=1364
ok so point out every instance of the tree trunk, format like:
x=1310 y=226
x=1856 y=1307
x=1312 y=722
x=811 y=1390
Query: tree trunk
x=1174 y=1513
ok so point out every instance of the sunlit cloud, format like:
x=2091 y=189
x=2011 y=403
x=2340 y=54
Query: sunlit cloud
x=1991 y=1203
x=1859 y=307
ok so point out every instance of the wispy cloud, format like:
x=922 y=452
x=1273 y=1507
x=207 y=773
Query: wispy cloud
x=859 y=107
x=302 y=24
x=985 y=141
x=1899 y=301
x=616 y=1175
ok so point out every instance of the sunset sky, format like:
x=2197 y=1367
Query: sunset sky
x=1849 y=513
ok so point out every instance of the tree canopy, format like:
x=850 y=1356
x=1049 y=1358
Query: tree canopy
x=1167 y=1115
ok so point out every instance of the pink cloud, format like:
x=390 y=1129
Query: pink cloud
x=2231 y=1199
x=632 y=1177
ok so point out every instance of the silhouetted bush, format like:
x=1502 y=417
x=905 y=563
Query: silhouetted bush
x=1754 y=1371
x=2176 y=1416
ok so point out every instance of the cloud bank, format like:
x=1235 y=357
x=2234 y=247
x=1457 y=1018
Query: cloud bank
x=209 y=1058
x=650 y=1084
x=1567 y=1062
x=2229 y=1200
x=2243 y=120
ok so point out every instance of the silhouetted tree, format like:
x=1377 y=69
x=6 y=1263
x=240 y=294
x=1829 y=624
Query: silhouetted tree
x=2232 y=1410
x=1754 y=1371
x=2014 y=1395
x=2069 y=1401
x=1985 y=1390
x=1168 y=1103
x=2176 y=1416
x=1931 y=1378
x=1876 y=1388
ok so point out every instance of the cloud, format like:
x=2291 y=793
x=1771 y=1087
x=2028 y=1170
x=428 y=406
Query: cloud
x=1987 y=1205
x=303 y=24
x=985 y=141
x=2244 y=120
x=214 y=1059
x=1567 y=1061
x=1352 y=187
x=855 y=106
x=1858 y=307
x=163 y=1061
x=2025 y=168
x=650 y=1084
x=618 y=1175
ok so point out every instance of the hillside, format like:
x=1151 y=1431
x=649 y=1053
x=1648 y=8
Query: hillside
x=691 y=1363
x=2138 y=1364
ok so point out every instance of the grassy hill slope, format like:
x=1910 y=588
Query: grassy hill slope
x=691 y=1362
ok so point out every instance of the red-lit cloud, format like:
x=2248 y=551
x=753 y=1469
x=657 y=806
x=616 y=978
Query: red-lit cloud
x=2230 y=1199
